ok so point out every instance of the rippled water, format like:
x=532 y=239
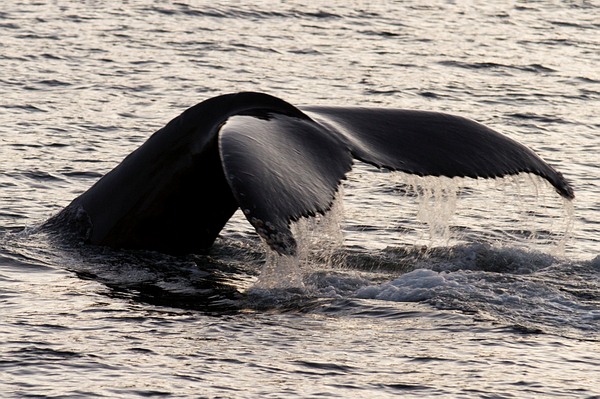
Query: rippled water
x=491 y=291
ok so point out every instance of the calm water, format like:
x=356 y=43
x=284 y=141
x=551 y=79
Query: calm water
x=410 y=287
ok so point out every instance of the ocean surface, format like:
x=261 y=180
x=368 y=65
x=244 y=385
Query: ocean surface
x=409 y=287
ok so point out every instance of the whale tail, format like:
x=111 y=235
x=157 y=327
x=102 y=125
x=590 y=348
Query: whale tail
x=278 y=163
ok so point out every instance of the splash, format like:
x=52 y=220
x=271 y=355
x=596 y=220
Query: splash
x=521 y=211
x=437 y=200
x=533 y=217
x=568 y=218
x=433 y=213
x=319 y=239
x=280 y=272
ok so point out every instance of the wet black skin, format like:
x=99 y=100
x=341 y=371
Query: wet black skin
x=176 y=192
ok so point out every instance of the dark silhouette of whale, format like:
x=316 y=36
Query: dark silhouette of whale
x=278 y=163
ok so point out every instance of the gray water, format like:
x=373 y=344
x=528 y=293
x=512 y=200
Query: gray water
x=410 y=287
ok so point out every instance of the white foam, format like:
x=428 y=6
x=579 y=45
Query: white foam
x=417 y=285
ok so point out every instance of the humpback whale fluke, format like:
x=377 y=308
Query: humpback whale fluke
x=277 y=163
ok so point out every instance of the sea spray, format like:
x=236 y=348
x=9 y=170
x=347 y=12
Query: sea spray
x=320 y=238
x=516 y=211
x=521 y=210
x=280 y=272
x=569 y=224
x=541 y=220
x=437 y=198
x=319 y=241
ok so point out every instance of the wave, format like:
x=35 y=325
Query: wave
x=527 y=291
x=536 y=68
x=242 y=13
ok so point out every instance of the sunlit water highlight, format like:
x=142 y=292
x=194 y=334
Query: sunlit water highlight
x=411 y=287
